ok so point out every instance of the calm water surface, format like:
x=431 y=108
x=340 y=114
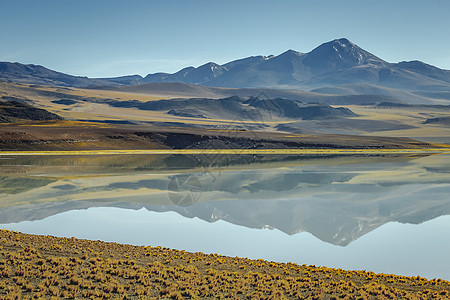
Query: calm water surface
x=387 y=214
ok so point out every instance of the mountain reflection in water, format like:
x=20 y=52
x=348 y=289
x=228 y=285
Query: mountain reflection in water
x=337 y=199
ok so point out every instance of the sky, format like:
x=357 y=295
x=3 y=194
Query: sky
x=106 y=38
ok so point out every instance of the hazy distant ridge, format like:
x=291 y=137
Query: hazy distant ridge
x=338 y=67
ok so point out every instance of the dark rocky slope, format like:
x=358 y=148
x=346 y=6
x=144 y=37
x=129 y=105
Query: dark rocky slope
x=12 y=111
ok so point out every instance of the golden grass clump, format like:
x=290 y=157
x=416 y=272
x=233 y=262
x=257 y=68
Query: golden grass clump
x=45 y=267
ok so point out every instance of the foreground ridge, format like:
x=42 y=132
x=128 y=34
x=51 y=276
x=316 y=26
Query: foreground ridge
x=33 y=266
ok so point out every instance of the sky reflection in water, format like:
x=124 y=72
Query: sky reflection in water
x=338 y=212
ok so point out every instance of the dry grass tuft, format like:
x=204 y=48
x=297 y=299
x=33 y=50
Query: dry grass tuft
x=45 y=267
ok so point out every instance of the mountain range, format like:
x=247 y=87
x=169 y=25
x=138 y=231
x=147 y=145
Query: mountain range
x=334 y=63
x=338 y=67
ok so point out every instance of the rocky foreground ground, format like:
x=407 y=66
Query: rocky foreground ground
x=45 y=267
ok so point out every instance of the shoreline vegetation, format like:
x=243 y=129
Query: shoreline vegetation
x=235 y=151
x=47 y=267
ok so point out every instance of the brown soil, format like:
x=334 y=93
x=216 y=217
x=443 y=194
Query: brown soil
x=70 y=135
x=49 y=267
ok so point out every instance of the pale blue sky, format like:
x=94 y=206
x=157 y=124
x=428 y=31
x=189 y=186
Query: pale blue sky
x=111 y=38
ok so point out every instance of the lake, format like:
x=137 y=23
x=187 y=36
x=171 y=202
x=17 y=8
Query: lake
x=385 y=213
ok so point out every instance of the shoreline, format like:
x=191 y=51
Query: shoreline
x=232 y=151
x=48 y=266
